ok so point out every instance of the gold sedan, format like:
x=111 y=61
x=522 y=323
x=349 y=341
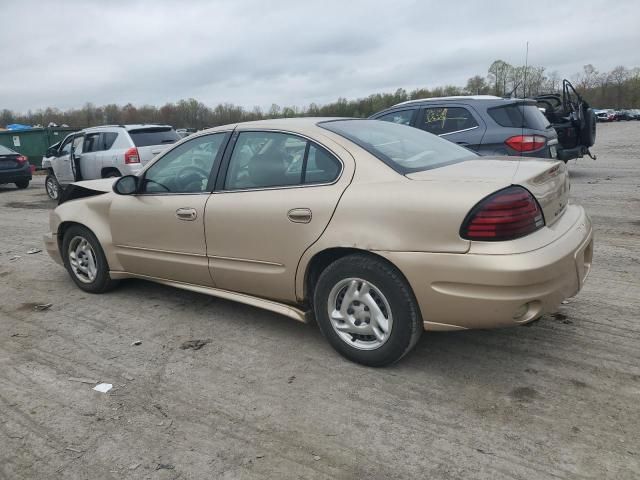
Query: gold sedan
x=379 y=231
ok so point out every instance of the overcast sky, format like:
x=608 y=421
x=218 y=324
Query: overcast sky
x=65 y=53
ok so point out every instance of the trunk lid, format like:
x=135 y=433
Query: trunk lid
x=152 y=140
x=547 y=180
x=150 y=151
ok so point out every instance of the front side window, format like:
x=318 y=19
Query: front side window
x=77 y=145
x=187 y=168
x=66 y=147
x=273 y=159
x=443 y=120
x=402 y=117
x=405 y=149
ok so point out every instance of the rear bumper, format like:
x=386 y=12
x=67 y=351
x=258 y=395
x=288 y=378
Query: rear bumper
x=16 y=174
x=51 y=245
x=463 y=291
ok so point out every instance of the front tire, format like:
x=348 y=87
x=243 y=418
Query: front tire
x=366 y=310
x=85 y=261
x=52 y=187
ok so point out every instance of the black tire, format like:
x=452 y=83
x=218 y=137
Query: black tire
x=22 y=184
x=588 y=127
x=407 y=323
x=102 y=282
x=52 y=187
x=112 y=174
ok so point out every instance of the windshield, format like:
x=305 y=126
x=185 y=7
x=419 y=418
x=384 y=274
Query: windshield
x=405 y=149
x=6 y=151
x=144 y=137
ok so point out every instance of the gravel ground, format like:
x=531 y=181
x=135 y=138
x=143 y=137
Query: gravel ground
x=266 y=397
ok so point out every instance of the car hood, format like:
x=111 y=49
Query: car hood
x=547 y=180
x=100 y=185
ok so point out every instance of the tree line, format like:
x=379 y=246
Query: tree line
x=619 y=88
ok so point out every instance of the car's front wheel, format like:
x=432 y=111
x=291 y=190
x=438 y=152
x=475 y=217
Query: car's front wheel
x=52 y=187
x=366 y=310
x=85 y=261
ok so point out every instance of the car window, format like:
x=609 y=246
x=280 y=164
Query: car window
x=77 y=145
x=402 y=117
x=519 y=115
x=144 y=137
x=66 y=147
x=443 y=120
x=321 y=166
x=108 y=138
x=6 y=151
x=405 y=149
x=91 y=143
x=185 y=169
x=265 y=159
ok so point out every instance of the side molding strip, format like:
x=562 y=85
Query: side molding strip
x=277 y=307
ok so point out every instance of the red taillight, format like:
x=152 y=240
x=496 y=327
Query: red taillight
x=131 y=156
x=505 y=215
x=22 y=160
x=526 y=143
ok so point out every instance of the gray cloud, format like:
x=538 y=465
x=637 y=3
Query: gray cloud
x=289 y=52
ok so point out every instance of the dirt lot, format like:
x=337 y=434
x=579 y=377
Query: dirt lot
x=268 y=398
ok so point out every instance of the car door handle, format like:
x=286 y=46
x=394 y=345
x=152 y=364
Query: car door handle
x=299 y=215
x=186 y=214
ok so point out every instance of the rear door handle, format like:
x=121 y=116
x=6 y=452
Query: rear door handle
x=299 y=215
x=187 y=214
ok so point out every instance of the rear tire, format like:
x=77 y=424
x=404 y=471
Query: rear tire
x=85 y=261
x=366 y=310
x=22 y=184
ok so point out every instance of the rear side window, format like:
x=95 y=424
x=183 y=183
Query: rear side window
x=443 y=120
x=144 y=137
x=5 y=151
x=91 y=143
x=108 y=139
x=273 y=159
x=518 y=115
x=402 y=117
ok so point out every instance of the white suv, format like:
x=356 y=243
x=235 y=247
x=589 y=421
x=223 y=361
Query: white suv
x=101 y=152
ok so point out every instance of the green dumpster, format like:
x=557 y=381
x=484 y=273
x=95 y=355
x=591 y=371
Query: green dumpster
x=33 y=143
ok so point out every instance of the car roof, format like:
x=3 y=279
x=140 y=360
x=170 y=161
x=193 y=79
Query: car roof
x=128 y=128
x=488 y=100
x=276 y=123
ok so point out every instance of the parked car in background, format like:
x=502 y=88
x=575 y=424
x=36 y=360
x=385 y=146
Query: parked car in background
x=185 y=132
x=14 y=168
x=378 y=230
x=635 y=113
x=106 y=151
x=625 y=115
x=486 y=124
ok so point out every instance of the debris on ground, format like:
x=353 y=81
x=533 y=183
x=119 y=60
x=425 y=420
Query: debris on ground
x=316 y=457
x=134 y=466
x=194 y=344
x=260 y=456
x=165 y=466
x=82 y=380
x=126 y=376
x=562 y=317
x=14 y=258
x=565 y=302
x=19 y=335
x=137 y=342
x=103 y=387
x=73 y=450
x=42 y=307
x=291 y=379
x=31 y=251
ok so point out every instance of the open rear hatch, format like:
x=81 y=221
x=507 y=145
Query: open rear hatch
x=573 y=119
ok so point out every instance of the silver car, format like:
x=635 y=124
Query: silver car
x=102 y=152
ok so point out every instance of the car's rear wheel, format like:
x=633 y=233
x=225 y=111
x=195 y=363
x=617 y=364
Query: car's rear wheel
x=366 y=310
x=22 y=184
x=85 y=261
x=52 y=187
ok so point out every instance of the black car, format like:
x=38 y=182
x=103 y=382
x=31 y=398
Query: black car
x=14 y=168
x=549 y=126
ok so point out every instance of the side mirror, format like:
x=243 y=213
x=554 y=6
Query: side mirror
x=51 y=152
x=127 y=185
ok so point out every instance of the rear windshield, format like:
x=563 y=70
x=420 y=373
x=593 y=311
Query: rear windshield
x=405 y=149
x=518 y=115
x=6 y=151
x=143 y=137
